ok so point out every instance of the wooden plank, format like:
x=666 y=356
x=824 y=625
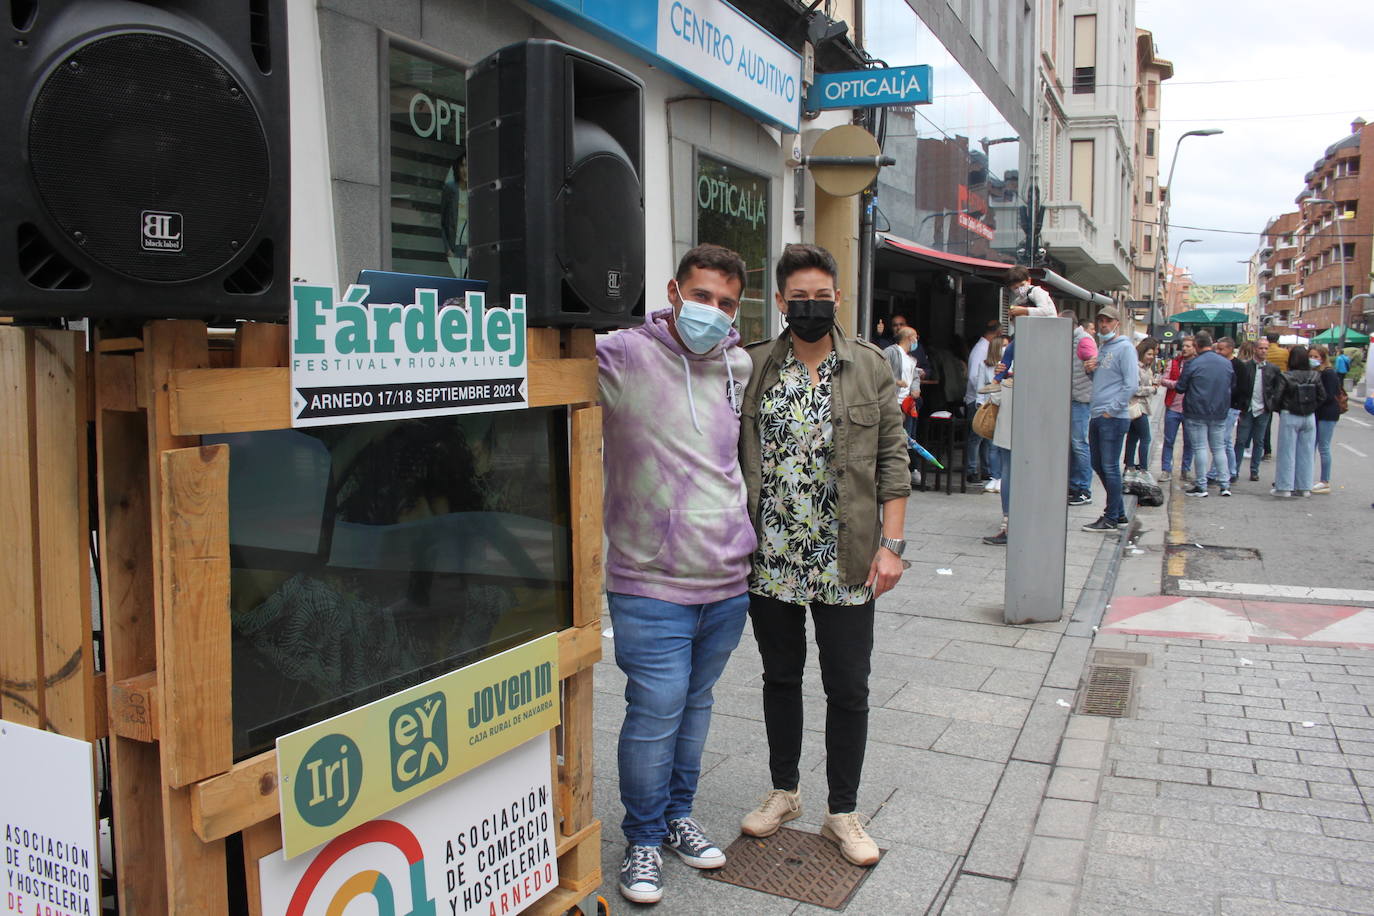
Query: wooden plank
x=236 y=800
x=258 y=344
x=64 y=587
x=102 y=706
x=133 y=707
x=194 y=676
x=210 y=401
x=115 y=383
x=260 y=840
x=247 y=793
x=579 y=867
x=566 y=843
x=577 y=770
x=126 y=580
x=20 y=672
x=543 y=343
x=197 y=880
x=585 y=485
x=119 y=345
x=581 y=343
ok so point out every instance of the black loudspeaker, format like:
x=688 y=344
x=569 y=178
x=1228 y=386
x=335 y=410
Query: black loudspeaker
x=144 y=159
x=556 y=197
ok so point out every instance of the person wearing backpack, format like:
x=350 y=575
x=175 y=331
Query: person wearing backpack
x=1327 y=414
x=1295 y=396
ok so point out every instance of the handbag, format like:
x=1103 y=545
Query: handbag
x=1135 y=410
x=985 y=420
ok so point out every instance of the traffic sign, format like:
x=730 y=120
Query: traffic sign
x=870 y=88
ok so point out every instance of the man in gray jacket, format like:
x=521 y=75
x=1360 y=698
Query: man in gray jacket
x=1116 y=375
x=1206 y=383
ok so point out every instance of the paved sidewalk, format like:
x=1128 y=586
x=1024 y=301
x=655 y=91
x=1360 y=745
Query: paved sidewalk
x=966 y=724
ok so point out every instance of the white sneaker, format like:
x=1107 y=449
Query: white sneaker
x=1322 y=487
x=993 y=486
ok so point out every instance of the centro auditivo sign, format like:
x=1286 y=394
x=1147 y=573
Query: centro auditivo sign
x=353 y=359
x=345 y=771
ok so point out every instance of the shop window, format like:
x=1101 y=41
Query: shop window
x=732 y=210
x=427 y=122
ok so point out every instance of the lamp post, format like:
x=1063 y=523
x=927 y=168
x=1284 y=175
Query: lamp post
x=1163 y=204
x=1178 y=251
x=1340 y=250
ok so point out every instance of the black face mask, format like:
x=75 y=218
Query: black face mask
x=810 y=319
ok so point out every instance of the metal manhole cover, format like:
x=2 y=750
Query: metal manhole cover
x=1108 y=692
x=790 y=863
x=1121 y=659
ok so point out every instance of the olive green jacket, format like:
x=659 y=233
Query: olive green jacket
x=869 y=445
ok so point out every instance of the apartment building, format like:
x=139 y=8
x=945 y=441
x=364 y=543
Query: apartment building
x=1336 y=207
x=1147 y=240
x=1087 y=69
x=1277 y=277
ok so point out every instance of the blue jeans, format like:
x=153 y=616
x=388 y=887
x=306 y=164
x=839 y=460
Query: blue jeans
x=1001 y=460
x=1297 y=447
x=1209 y=441
x=1106 y=435
x=1138 y=443
x=1080 y=456
x=978 y=451
x=1325 y=430
x=1172 y=421
x=1232 y=459
x=1251 y=432
x=672 y=655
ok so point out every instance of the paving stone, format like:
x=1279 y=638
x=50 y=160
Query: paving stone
x=1066 y=669
x=1186 y=825
x=1209 y=878
x=1349 y=829
x=1332 y=896
x=1333 y=775
x=1092 y=728
x=1282 y=739
x=1100 y=895
x=1024 y=684
x=1080 y=752
x=1156 y=807
x=1330 y=847
x=1142 y=752
x=1074 y=783
x=1209 y=761
x=976 y=896
x=977 y=739
x=1160 y=741
x=1006 y=829
x=1254 y=906
x=1278 y=820
x=1122 y=822
x=1218 y=795
x=1155 y=848
x=1127 y=868
x=945 y=775
x=909 y=729
x=1054 y=859
x=1334 y=759
x=932 y=700
x=1328 y=792
x=1065 y=818
x=917 y=818
x=1253 y=751
x=1260 y=783
x=1248 y=725
x=1043 y=640
x=941 y=672
x=1118 y=786
x=1041 y=898
x=908 y=880
x=1315 y=807
x=1356 y=874
x=1136 y=770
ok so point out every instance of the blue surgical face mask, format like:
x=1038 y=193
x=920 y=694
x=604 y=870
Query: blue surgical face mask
x=1107 y=335
x=1314 y=362
x=701 y=327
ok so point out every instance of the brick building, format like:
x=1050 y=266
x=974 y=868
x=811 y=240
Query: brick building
x=1333 y=239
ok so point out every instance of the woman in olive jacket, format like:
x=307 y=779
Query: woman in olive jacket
x=825 y=464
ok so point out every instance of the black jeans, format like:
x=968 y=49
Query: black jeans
x=844 y=638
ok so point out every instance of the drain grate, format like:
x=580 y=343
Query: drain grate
x=1109 y=691
x=790 y=863
x=1120 y=659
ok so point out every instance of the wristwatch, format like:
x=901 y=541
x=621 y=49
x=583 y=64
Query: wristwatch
x=895 y=545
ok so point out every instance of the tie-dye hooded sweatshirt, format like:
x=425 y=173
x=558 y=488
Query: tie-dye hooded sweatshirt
x=676 y=510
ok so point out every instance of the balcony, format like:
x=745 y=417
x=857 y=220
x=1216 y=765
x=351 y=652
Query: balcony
x=1094 y=259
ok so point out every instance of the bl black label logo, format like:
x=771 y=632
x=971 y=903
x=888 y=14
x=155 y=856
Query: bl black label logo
x=161 y=230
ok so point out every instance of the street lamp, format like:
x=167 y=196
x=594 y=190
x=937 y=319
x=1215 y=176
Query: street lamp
x=1163 y=203
x=1177 y=252
x=1340 y=250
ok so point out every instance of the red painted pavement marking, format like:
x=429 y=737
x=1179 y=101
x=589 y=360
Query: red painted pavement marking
x=1240 y=620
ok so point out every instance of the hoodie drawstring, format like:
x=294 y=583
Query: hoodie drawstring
x=691 y=401
x=730 y=376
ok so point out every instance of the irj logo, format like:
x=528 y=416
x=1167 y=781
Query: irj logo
x=418 y=732
x=327 y=780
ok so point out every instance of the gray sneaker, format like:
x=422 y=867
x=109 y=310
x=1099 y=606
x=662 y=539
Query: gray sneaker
x=641 y=874
x=688 y=840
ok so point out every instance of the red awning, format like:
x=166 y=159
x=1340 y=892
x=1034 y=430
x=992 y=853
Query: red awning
x=960 y=262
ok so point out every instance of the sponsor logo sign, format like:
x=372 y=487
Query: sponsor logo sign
x=344 y=771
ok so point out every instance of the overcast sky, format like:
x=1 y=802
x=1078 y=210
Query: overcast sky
x=1283 y=81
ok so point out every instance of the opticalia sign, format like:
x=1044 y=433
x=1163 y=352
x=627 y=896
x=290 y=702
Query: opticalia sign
x=870 y=88
x=483 y=844
x=354 y=359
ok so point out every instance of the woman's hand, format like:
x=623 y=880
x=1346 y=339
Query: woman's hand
x=884 y=571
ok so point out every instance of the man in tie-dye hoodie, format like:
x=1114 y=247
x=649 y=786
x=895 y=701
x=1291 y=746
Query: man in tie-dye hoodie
x=680 y=539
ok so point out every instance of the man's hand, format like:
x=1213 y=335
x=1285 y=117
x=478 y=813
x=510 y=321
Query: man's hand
x=1090 y=365
x=884 y=572
x=1016 y=311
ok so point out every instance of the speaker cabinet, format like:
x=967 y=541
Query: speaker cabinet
x=144 y=159
x=556 y=198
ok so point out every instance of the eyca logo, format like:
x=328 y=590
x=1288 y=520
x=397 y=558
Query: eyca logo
x=327 y=327
x=161 y=230
x=418 y=734
x=328 y=779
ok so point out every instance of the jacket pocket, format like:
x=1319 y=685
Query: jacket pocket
x=704 y=544
x=861 y=440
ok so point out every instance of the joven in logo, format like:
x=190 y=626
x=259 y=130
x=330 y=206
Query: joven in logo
x=418 y=732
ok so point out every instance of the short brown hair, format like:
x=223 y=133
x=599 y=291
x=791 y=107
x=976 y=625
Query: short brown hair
x=802 y=256
x=713 y=257
x=1016 y=274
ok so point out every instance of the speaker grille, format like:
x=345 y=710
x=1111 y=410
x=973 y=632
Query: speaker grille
x=150 y=156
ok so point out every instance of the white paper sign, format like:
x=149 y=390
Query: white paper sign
x=482 y=844
x=353 y=360
x=47 y=824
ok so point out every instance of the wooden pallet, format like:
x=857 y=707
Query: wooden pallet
x=178 y=793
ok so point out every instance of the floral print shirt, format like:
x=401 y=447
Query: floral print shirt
x=796 y=561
